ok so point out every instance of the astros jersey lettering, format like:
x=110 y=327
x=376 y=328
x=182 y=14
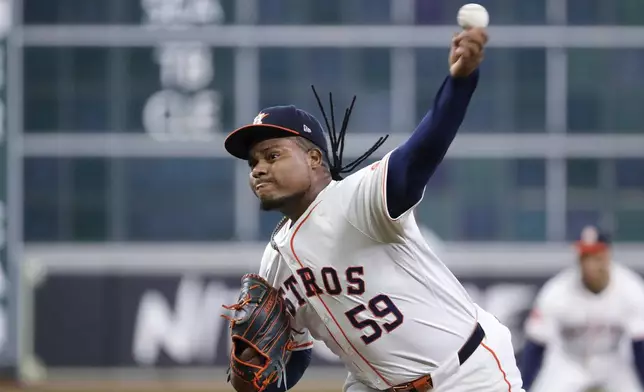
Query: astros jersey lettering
x=369 y=286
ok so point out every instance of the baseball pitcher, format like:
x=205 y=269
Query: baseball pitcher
x=348 y=261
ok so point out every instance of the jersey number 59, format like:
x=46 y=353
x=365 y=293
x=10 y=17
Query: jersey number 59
x=380 y=306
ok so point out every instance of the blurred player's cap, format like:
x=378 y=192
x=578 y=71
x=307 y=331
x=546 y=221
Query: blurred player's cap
x=276 y=122
x=592 y=240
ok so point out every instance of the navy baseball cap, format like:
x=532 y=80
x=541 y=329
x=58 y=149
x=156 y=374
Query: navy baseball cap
x=276 y=122
x=592 y=240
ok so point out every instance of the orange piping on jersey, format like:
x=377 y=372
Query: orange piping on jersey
x=325 y=305
x=498 y=363
x=298 y=260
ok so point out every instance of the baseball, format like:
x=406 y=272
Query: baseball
x=472 y=15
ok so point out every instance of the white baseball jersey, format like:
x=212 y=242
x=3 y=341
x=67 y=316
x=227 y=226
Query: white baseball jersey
x=588 y=335
x=369 y=286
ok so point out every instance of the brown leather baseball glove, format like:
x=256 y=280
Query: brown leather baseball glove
x=259 y=322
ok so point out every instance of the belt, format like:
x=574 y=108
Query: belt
x=425 y=383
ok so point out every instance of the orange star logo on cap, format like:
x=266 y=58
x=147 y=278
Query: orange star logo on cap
x=259 y=118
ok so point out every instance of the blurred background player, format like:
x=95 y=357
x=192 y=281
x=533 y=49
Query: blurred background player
x=588 y=322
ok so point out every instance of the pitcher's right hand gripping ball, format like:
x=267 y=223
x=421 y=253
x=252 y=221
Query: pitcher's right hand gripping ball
x=260 y=328
x=467 y=51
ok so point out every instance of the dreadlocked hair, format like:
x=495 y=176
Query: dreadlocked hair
x=337 y=140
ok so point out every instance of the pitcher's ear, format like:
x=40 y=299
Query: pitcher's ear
x=316 y=158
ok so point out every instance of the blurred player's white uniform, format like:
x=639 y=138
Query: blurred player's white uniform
x=373 y=291
x=588 y=335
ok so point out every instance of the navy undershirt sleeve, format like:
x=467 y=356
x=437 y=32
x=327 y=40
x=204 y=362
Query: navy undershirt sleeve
x=295 y=368
x=530 y=363
x=412 y=164
x=638 y=357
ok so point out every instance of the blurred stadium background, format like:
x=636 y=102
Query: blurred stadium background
x=126 y=226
